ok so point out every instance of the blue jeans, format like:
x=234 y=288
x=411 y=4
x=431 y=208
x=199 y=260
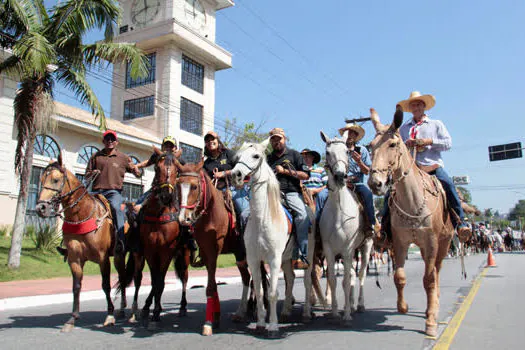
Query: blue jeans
x=114 y=198
x=241 y=201
x=450 y=190
x=320 y=201
x=368 y=201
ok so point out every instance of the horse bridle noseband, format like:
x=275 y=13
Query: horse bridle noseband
x=202 y=195
x=346 y=163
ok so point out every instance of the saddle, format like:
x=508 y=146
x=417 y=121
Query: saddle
x=228 y=203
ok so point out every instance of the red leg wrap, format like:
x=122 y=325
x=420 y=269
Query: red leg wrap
x=209 y=309
x=216 y=303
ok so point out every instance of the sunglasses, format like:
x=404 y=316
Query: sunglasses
x=110 y=139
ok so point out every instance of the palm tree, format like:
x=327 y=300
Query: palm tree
x=47 y=48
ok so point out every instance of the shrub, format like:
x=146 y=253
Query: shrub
x=5 y=230
x=46 y=238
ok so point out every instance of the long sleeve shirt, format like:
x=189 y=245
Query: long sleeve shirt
x=429 y=129
x=354 y=171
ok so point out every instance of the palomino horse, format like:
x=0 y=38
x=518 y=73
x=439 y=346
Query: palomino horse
x=160 y=239
x=266 y=235
x=88 y=232
x=417 y=209
x=341 y=225
x=202 y=208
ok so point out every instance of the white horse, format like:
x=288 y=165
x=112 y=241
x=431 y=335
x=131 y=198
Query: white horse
x=341 y=225
x=266 y=235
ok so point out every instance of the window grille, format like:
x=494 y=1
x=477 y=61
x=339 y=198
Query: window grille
x=149 y=79
x=190 y=116
x=190 y=154
x=85 y=154
x=46 y=146
x=192 y=74
x=139 y=107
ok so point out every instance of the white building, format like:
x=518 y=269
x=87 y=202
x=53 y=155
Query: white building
x=177 y=98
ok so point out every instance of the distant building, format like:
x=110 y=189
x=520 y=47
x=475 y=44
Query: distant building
x=176 y=98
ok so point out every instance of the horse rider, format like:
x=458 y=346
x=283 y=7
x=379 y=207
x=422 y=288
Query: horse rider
x=169 y=144
x=290 y=170
x=359 y=166
x=218 y=164
x=317 y=183
x=111 y=166
x=430 y=137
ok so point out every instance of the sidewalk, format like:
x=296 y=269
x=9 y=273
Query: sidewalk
x=18 y=294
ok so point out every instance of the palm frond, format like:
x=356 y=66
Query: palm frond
x=35 y=52
x=117 y=52
x=77 y=83
x=12 y=66
x=18 y=14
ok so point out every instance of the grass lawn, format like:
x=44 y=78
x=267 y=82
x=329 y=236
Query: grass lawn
x=35 y=264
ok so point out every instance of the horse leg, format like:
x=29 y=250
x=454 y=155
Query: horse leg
x=257 y=287
x=105 y=270
x=289 y=278
x=137 y=279
x=400 y=280
x=351 y=297
x=159 y=289
x=213 y=307
x=120 y=265
x=76 y=266
x=243 y=305
x=181 y=263
x=348 y=285
x=429 y=282
x=307 y=309
x=332 y=280
x=275 y=266
x=365 y=252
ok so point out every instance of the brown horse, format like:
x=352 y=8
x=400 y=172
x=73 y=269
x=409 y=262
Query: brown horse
x=88 y=232
x=202 y=208
x=417 y=209
x=160 y=240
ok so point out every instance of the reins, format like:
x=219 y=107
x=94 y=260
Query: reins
x=202 y=196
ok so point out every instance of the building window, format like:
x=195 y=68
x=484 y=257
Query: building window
x=131 y=192
x=139 y=107
x=192 y=74
x=190 y=154
x=149 y=79
x=190 y=116
x=46 y=146
x=85 y=154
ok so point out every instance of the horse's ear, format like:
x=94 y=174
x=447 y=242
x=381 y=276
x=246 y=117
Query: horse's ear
x=398 y=117
x=324 y=137
x=178 y=153
x=156 y=150
x=265 y=143
x=375 y=119
x=200 y=164
x=59 y=159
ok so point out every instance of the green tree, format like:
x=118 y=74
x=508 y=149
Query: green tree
x=464 y=194
x=47 y=48
x=234 y=136
x=518 y=211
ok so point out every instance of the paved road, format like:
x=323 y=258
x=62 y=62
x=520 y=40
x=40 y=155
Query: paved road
x=380 y=325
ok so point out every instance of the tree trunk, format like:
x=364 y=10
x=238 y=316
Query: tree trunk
x=20 y=218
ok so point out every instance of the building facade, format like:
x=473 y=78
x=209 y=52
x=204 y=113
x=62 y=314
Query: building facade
x=176 y=98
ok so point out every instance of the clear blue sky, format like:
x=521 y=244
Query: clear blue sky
x=307 y=65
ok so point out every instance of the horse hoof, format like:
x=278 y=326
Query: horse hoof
x=307 y=318
x=402 y=308
x=353 y=310
x=260 y=329
x=284 y=318
x=237 y=318
x=110 y=321
x=360 y=309
x=347 y=323
x=133 y=319
x=153 y=326
x=121 y=314
x=274 y=334
x=431 y=330
x=183 y=313
x=67 y=328
x=207 y=330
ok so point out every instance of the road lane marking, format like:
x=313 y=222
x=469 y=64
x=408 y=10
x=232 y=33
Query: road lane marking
x=449 y=333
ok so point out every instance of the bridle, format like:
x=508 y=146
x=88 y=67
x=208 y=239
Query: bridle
x=58 y=197
x=202 y=196
x=345 y=161
x=252 y=170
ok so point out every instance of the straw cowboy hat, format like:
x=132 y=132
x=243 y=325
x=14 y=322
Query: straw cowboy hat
x=354 y=127
x=429 y=101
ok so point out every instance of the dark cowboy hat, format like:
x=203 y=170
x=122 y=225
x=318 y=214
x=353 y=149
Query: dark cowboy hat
x=317 y=156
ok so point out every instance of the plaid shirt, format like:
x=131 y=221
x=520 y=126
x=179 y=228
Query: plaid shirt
x=318 y=177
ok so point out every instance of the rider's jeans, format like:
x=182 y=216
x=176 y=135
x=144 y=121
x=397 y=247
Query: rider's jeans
x=114 y=198
x=368 y=200
x=295 y=204
x=241 y=201
x=320 y=201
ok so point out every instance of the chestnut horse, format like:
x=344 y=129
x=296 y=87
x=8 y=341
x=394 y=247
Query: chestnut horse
x=160 y=239
x=88 y=232
x=202 y=208
x=417 y=208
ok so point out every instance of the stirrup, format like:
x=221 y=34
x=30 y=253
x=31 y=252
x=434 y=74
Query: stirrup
x=196 y=261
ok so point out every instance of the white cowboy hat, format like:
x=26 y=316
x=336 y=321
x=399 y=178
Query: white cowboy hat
x=354 y=127
x=429 y=101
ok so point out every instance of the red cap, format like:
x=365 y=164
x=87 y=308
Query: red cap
x=110 y=132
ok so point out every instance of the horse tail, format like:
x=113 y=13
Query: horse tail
x=180 y=266
x=130 y=273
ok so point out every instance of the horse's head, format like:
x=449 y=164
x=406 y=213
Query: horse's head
x=53 y=183
x=249 y=158
x=387 y=148
x=166 y=177
x=337 y=162
x=192 y=185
